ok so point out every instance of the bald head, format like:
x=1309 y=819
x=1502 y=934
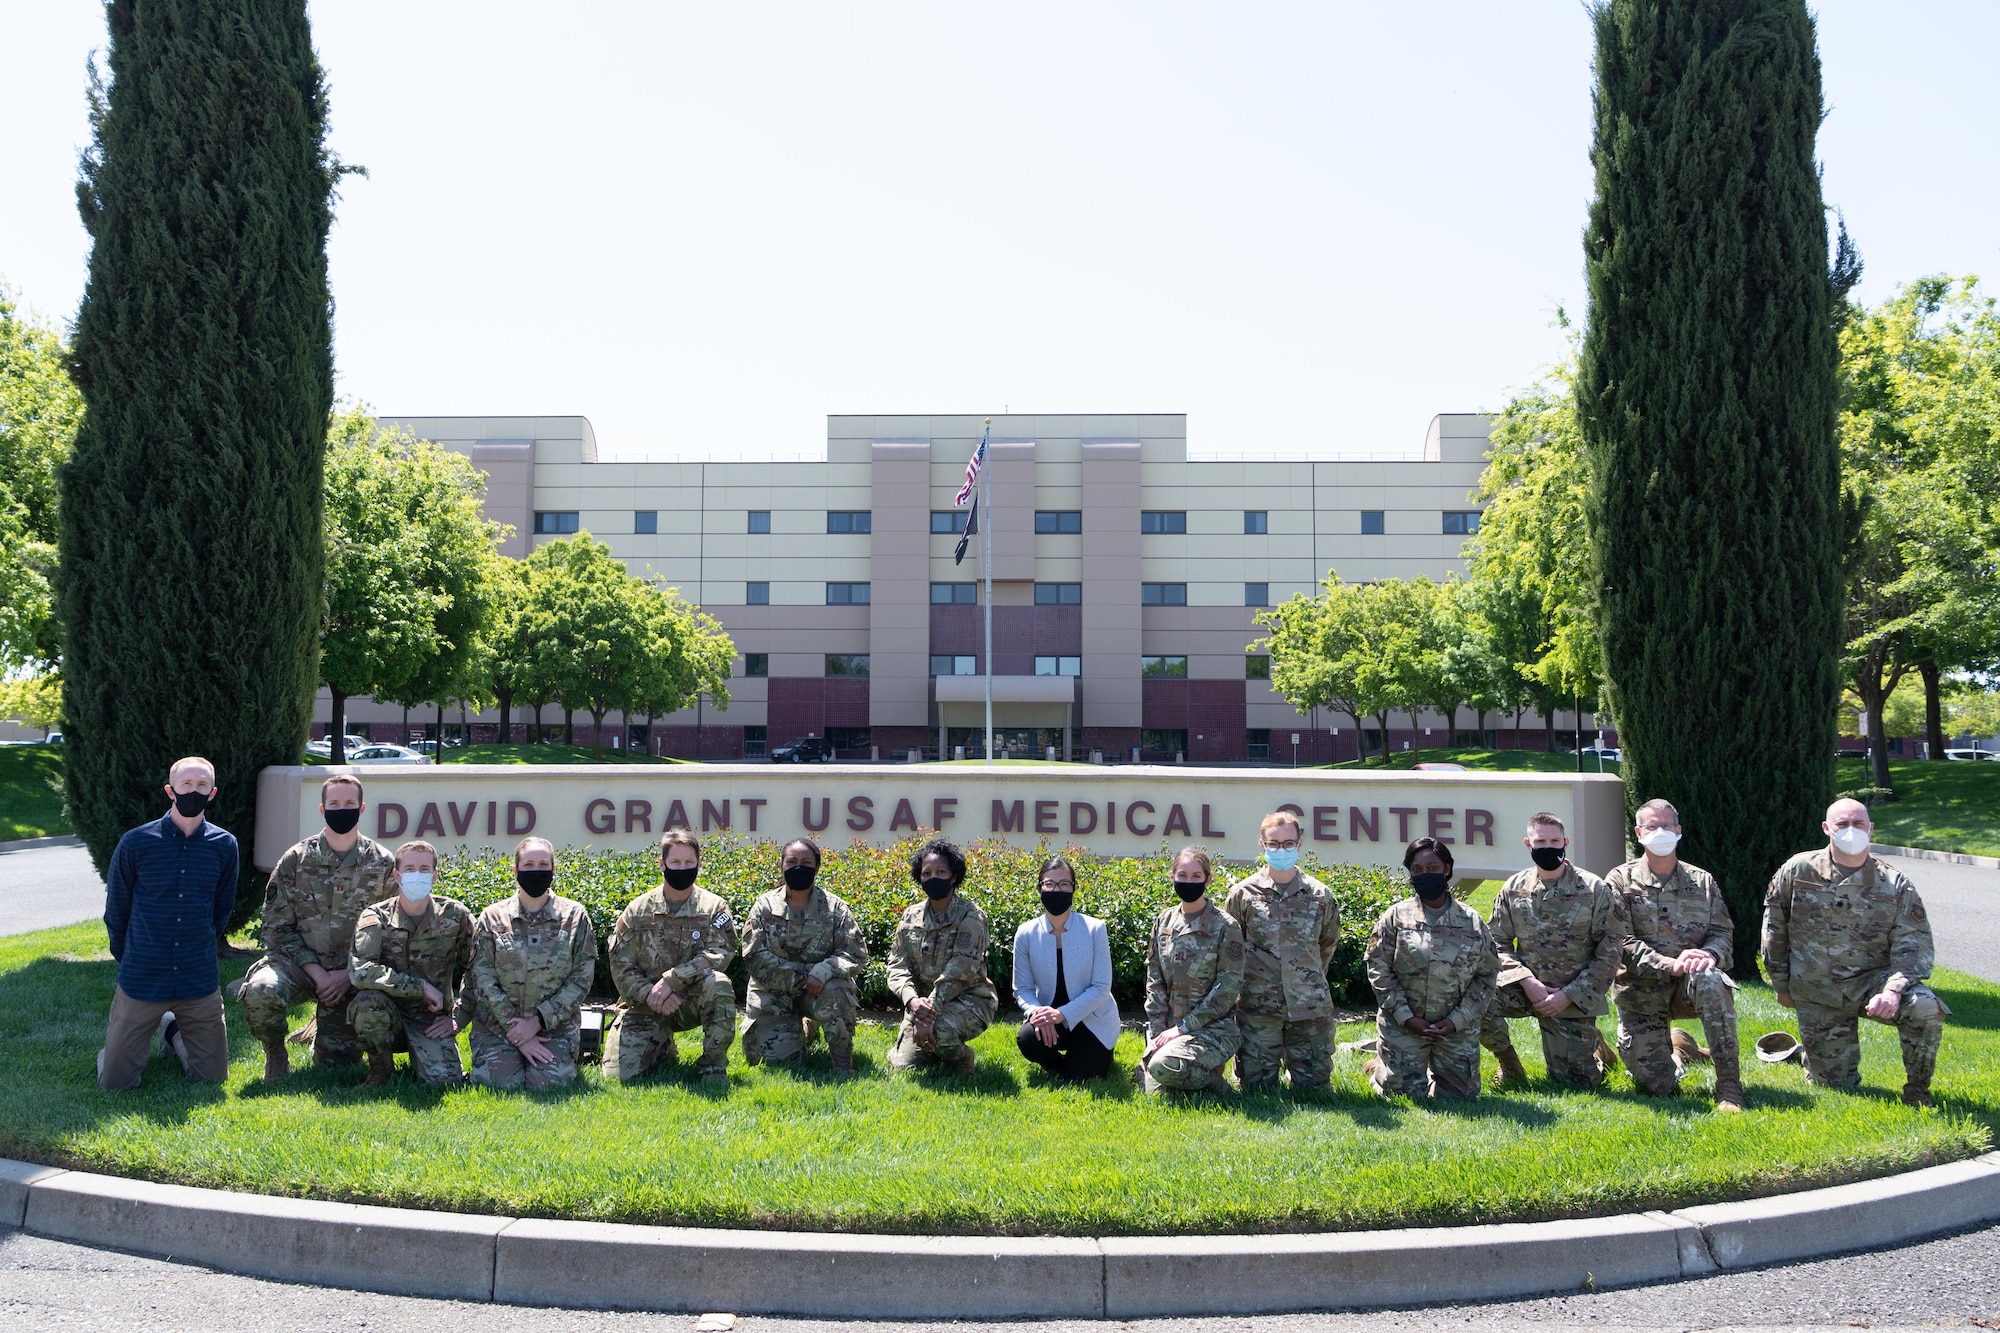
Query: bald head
x=1848 y=813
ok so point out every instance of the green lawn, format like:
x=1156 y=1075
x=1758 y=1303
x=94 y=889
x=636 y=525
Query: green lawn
x=535 y=754
x=31 y=803
x=1002 y=1151
x=1511 y=761
x=1940 y=804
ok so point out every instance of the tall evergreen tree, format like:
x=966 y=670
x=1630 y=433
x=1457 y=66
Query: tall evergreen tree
x=190 y=578
x=1707 y=392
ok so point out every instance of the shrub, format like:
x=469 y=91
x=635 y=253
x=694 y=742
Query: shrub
x=1869 y=796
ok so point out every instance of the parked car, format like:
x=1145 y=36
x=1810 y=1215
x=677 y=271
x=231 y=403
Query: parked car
x=1990 y=756
x=1439 y=768
x=1611 y=752
x=53 y=738
x=322 y=748
x=367 y=752
x=804 y=750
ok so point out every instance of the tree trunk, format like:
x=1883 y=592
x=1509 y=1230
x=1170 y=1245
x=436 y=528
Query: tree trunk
x=336 y=733
x=597 y=734
x=1934 y=737
x=1518 y=710
x=439 y=753
x=1382 y=720
x=506 y=701
x=1874 y=695
x=536 y=739
x=1548 y=725
x=404 y=739
x=465 y=724
x=569 y=725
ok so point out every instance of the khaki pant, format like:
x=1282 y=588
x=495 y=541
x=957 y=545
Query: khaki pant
x=128 y=1039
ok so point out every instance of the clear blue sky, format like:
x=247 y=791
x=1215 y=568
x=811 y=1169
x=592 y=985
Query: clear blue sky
x=1309 y=226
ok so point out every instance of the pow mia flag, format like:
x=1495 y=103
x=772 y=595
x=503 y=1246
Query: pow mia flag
x=971 y=529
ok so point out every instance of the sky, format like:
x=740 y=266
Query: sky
x=1310 y=227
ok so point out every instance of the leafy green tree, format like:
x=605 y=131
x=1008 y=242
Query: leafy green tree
x=1707 y=392
x=1972 y=708
x=35 y=699
x=39 y=411
x=505 y=657
x=191 y=580
x=691 y=655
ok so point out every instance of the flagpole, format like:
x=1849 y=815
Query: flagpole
x=986 y=493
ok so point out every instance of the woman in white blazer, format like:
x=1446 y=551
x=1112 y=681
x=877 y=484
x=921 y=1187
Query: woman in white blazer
x=1062 y=981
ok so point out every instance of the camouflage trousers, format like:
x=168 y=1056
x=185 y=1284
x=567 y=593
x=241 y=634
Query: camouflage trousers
x=643 y=1040
x=1189 y=1061
x=272 y=987
x=1645 y=1013
x=774 y=1028
x=497 y=1064
x=1832 y=1038
x=1304 y=1047
x=957 y=1023
x=380 y=1022
x=1409 y=1066
x=1569 y=1040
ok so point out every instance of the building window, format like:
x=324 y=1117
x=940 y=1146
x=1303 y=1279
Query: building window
x=1163 y=668
x=756 y=594
x=946 y=664
x=645 y=520
x=1059 y=666
x=1462 y=524
x=849 y=520
x=1257 y=666
x=555 y=521
x=947 y=522
x=756 y=665
x=1058 y=521
x=1257 y=743
x=1163 y=594
x=1163 y=741
x=847 y=664
x=954 y=594
x=1163 y=520
x=1371 y=522
x=1256 y=594
x=760 y=520
x=1256 y=522
x=848 y=738
x=1058 y=594
x=847 y=594
x=754 y=742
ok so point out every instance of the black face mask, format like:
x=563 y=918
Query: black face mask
x=1432 y=885
x=534 y=883
x=1190 y=890
x=191 y=803
x=935 y=889
x=1548 y=858
x=342 y=821
x=679 y=877
x=1056 y=901
x=800 y=878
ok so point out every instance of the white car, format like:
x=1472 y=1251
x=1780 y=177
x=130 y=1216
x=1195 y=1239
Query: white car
x=368 y=752
x=1990 y=756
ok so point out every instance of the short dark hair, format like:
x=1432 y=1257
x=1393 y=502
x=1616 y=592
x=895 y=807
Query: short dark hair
x=946 y=848
x=806 y=843
x=341 y=780
x=1051 y=864
x=1422 y=845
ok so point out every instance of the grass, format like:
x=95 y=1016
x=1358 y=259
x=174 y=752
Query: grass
x=1509 y=761
x=1002 y=1151
x=1940 y=804
x=535 y=754
x=31 y=803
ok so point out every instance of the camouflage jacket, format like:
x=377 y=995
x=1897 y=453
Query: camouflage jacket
x=682 y=942
x=1665 y=916
x=316 y=894
x=1194 y=969
x=1432 y=965
x=537 y=963
x=1289 y=934
x=941 y=956
x=782 y=948
x=1568 y=933
x=395 y=953
x=1834 y=936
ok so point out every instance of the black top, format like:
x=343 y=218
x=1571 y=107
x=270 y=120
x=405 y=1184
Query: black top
x=1062 y=987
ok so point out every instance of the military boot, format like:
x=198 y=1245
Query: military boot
x=1917 y=1094
x=1511 y=1071
x=713 y=1066
x=964 y=1061
x=1728 y=1067
x=842 y=1055
x=1607 y=1055
x=277 y=1060
x=1687 y=1049
x=381 y=1068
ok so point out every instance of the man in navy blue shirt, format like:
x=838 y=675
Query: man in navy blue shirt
x=167 y=899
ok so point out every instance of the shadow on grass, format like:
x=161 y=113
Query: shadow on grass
x=1979 y=1010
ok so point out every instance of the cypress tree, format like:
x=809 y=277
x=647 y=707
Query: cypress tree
x=1707 y=392
x=190 y=581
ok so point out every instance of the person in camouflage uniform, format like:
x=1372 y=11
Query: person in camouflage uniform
x=1291 y=926
x=1678 y=947
x=1846 y=936
x=1432 y=965
x=937 y=966
x=803 y=950
x=315 y=895
x=411 y=957
x=1563 y=928
x=533 y=957
x=670 y=955
x=1194 y=969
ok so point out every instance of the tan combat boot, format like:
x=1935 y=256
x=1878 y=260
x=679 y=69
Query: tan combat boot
x=842 y=1056
x=1690 y=1051
x=1917 y=1094
x=1511 y=1072
x=1728 y=1093
x=381 y=1068
x=1607 y=1054
x=277 y=1060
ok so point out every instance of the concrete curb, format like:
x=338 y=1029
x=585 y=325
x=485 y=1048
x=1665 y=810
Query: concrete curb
x=1925 y=854
x=53 y=840
x=606 y=1265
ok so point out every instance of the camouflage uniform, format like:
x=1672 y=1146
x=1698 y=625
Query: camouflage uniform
x=1285 y=1010
x=1663 y=917
x=1568 y=933
x=1194 y=970
x=781 y=949
x=689 y=943
x=1430 y=964
x=310 y=906
x=1834 y=938
x=523 y=963
x=394 y=954
x=942 y=957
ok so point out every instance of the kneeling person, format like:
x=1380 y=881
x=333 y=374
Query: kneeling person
x=411 y=957
x=533 y=956
x=1194 y=969
x=670 y=952
x=1432 y=965
x=802 y=948
x=937 y=966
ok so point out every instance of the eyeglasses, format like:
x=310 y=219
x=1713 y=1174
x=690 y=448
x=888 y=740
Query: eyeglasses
x=1057 y=884
x=1291 y=846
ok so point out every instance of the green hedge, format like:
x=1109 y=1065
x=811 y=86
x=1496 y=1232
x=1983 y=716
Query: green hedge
x=1127 y=892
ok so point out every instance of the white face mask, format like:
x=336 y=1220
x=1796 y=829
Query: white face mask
x=1851 y=841
x=416 y=884
x=1660 y=841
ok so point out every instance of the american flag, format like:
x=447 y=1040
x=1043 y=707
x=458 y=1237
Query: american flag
x=972 y=469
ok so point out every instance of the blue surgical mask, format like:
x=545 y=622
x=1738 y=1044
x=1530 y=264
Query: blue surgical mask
x=416 y=884
x=1281 y=859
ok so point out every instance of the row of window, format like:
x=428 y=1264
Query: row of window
x=1257 y=666
x=951 y=522
x=1046 y=594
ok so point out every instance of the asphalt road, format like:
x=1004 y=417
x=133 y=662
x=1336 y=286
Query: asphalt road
x=50 y=886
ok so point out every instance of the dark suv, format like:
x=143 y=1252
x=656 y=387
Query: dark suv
x=804 y=750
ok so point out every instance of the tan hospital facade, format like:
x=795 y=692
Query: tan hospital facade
x=1125 y=579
